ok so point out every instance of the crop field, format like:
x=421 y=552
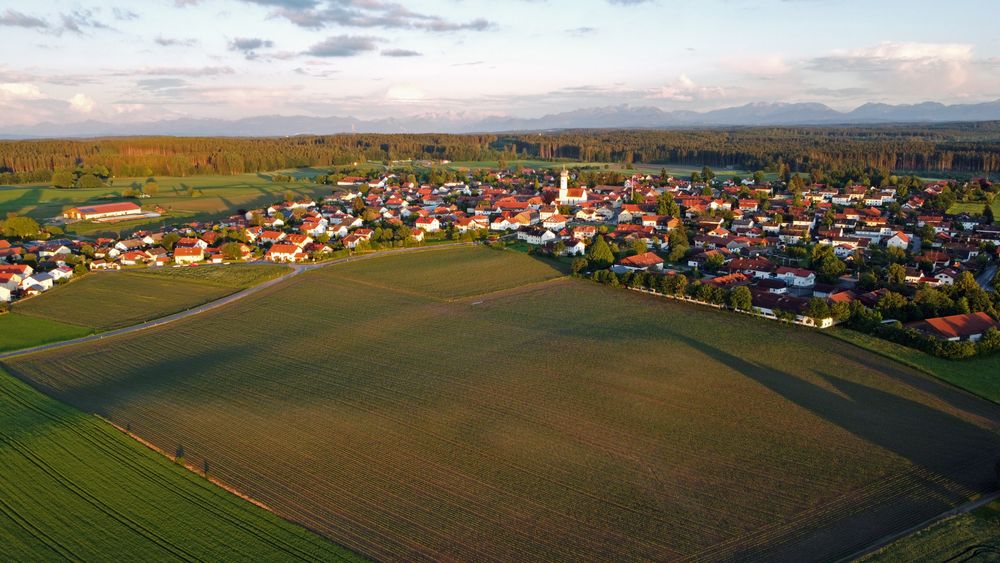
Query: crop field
x=968 y=537
x=74 y=488
x=22 y=331
x=977 y=375
x=110 y=300
x=238 y=276
x=403 y=412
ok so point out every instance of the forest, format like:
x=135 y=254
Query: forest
x=970 y=149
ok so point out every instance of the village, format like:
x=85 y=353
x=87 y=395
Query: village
x=812 y=255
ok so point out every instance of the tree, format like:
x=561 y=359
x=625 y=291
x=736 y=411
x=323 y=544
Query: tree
x=714 y=262
x=63 y=179
x=579 y=264
x=599 y=254
x=232 y=251
x=741 y=299
x=639 y=246
x=817 y=309
x=665 y=205
x=707 y=173
x=169 y=240
x=89 y=181
x=988 y=213
x=19 y=226
x=896 y=275
x=678 y=244
x=151 y=189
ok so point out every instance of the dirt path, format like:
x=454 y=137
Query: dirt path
x=295 y=271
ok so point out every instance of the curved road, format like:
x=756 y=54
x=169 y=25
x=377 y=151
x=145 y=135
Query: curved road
x=296 y=270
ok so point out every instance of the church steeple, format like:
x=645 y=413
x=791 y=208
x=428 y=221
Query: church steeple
x=563 y=182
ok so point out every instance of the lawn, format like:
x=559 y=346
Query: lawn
x=978 y=375
x=75 y=488
x=22 y=331
x=238 y=276
x=110 y=300
x=969 y=537
x=410 y=411
x=974 y=208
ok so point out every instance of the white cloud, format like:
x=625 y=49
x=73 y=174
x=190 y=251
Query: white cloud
x=82 y=103
x=20 y=91
x=686 y=90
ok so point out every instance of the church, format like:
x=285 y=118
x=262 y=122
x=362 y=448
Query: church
x=568 y=195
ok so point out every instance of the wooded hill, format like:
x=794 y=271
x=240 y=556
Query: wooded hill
x=972 y=148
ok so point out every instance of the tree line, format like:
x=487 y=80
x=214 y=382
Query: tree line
x=960 y=148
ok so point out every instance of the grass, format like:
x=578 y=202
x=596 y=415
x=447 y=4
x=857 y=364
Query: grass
x=75 y=488
x=22 y=331
x=375 y=404
x=218 y=196
x=974 y=208
x=106 y=301
x=968 y=537
x=238 y=276
x=978 y=375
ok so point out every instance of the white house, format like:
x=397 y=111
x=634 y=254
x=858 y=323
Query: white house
x=899 y=239
x=798 y=277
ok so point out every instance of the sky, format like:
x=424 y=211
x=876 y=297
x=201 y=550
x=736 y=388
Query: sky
x=71 y=61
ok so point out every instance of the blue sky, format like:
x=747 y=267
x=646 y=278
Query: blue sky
x=164 y=59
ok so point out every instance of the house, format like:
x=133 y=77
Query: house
x=555 y=222
x=647 y=261
x=5 y=293
x=188 y=255
x=103 y=211
x=428 y=224
x=285 y=253
x=797 y=277
x=536 y=236
x=898 y=240
x=575 y=247
x=968 y=326
x=43 y=282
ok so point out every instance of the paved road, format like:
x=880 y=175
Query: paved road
x=296 y=270
x=986 y=277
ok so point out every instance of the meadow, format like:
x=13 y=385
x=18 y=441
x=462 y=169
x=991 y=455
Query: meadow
x=239 y=276
x=424 y=410
x=214 y=196
x=74 y=488
x=110 y=300
x=23 y=331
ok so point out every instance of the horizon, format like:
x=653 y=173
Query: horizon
x=465 y=60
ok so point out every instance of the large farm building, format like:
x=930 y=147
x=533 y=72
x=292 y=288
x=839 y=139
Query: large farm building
x=103 y=211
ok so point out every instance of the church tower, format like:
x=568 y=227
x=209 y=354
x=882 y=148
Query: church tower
x=563 y=184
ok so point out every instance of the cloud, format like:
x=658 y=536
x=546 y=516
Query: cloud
x=685 y=90
x=365 y=14
x=399 y=53
x=81 y=103
x=124 y=14
x=343 y=46
x=77 y=20
x=177 y=71
x=579 y=31
x=20 y=91
x=628 y=2
x=14 y=18
x=249 y=45
x=174 y=42
x=902 y=64
x=153 y=84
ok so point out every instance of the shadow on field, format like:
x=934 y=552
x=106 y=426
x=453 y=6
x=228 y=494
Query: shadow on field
x=929 y=438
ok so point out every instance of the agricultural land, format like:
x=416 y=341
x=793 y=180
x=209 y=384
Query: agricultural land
x=410 y=409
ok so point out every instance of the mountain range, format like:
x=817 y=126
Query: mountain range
x=621 y=116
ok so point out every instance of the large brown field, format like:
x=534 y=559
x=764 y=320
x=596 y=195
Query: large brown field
x=399 y=409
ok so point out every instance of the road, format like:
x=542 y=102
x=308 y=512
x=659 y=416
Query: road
x=296 y=270
x=986 y=277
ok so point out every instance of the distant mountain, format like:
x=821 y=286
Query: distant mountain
x=622 y=116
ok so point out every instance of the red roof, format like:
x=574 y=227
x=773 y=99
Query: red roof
x=108 y=208
x=957 y=326
x=188 y=251
x=644 y=260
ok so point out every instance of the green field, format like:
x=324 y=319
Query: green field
x=975 y=208
x=22 y=331
x=238 y=276
x=375 y=404
x=978 y=375
x=109 y=300
x=218 y=196
x=74 y=488
x=969 y=537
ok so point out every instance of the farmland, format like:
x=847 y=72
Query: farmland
x=408 y=410
x=238 y=276
x=110 y=300
x=22 y=331
x=75 y=488
x=968 y=537
x=194 y=198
